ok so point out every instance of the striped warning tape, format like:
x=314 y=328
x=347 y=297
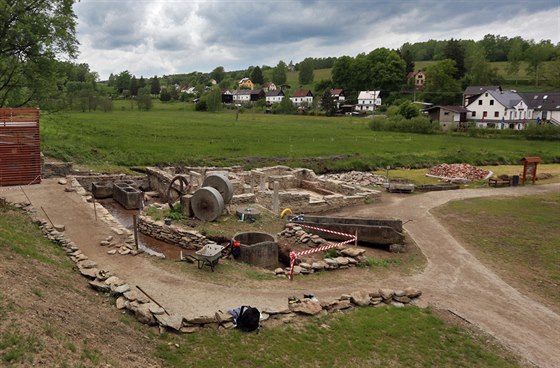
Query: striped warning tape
x=295 y=255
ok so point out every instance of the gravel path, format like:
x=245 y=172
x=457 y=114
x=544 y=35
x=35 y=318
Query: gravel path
x=453 y=279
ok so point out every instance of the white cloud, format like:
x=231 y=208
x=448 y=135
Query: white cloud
x=167 y=37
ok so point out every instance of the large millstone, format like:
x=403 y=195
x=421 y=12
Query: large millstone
x=222 y=184
x=207 y=204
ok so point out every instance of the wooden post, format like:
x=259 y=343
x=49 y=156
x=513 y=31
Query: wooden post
x=94 y=209
x=135 y=226
x=276 y=199
x=356 y=235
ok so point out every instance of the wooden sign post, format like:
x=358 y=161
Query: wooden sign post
x=530 y=168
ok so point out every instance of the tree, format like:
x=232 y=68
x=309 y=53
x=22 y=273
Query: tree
x=553 y=73
x=133 y=86
x=536 y=54
x=164 y=95
x=218 y=74
x=33 y=34
x=306 y=68
x=257 y=75
x=408 y=110
x=455 y=51
x=284 y=107
x=141 y=82
x=155 y=87
x=515 y=56
x=388 y=70
x=122 y=81
x=479 y=71
x=405 y=53
x=214 y=99
x=327 y=103
x=144 y=99
x=279 y=73
x=341 y=73
x=441 y=87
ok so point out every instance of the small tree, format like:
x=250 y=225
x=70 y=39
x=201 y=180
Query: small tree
x=284 y=107
x=257 y=75
x=144 y=99
x=279 y=73
x=327 y=103
x=306 y=74
x=408 y=110
x=213 y=100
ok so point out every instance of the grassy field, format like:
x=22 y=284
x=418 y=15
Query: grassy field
x=517 y=237
x=174 y=133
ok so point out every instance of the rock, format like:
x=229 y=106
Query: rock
x=133 y=295
x=331 y=262
x=62 y=181
x=397 y=305
x=69 y=190
x=103 y=275
x=99 y=286
x=202 y=320
x=386 y=294
x=156 y=309
x=306 y=307
x=173 y=321
x=59 y=227
x=397 y=248
x=112 y=251
x=190 y=329
x=341 y=261
x=121 y=302
x=88 y=272
x=113 y=280
x=360 y=298
x=117 y=231
x=121 y=289
x=353 y=252
x=228 y=325
x=318 y=265
x=402 y=299
x=224 y=317
x=412 y=292
x=264 y=316
x=87 y=264
x=399 y=293
x=124 y=251
x=80 y=257
x=104 y=243
x=279 y=271
x=143 y=314
x=376 y=301
x=297 y=270
x=305 y=265
x=341 y=305
x=109 y=238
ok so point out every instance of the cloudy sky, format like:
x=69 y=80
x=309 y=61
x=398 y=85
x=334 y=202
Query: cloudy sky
x=157 y=37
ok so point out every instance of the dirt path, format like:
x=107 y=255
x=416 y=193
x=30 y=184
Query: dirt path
x=453 y=278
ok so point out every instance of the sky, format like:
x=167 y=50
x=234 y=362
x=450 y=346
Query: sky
x=162 y=37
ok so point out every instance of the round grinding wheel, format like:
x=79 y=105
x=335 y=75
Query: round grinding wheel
x=207 y=204
x=173 y=193
x=222 y=184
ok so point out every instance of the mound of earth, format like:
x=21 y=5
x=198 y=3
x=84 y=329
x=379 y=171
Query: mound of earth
x=459 y=171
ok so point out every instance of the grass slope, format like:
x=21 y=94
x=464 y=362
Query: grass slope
x=173 y=133
x=518 y=237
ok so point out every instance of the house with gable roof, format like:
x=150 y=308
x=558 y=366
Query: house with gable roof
x=545 y=106
x=338 y=96
x=274 y=96
x=472 y=92
x=302 y=96
x=499 y=109
x=246 y=83
x=368 y=101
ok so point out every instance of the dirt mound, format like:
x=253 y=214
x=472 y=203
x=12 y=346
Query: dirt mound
x=458 y=171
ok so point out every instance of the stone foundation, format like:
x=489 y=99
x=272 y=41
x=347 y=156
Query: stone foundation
x=175 y=235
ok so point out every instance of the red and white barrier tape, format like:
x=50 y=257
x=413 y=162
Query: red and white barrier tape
x=294 y=255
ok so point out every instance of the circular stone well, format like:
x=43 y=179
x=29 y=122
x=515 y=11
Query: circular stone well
x=258 y=249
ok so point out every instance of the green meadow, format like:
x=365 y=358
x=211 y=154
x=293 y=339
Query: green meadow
x=174 y=133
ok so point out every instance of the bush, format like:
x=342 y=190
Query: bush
x=397 y=123
x=201 y=105
x=545 y=132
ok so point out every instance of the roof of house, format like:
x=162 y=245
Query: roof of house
x=245 y=80
x=476 y=90
x=368 y=95
x=302 y=93
x=275 y=93
x=457 y=109
x=506 y=98
x=549 y=101
x=336 y=91
x=247 y=92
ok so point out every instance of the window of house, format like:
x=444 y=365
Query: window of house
x=485 y=113
x=480 y=102
x=473 y=113
x=446 y=113
x=491 y=102
x=496 y=114
x=486 y=94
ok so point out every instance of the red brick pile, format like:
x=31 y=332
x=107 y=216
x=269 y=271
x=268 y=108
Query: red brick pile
x=458 y=171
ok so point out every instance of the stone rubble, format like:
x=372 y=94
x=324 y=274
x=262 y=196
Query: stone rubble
x=357 y=178
x=459 y=172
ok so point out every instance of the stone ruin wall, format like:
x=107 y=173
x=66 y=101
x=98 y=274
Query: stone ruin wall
x=188 y=239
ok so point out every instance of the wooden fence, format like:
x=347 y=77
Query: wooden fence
x=20 y=147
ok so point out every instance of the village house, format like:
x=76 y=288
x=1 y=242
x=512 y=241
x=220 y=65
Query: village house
x=545 y=106
x=417 y=78
x=302 y=96
x=247 y=95
x=274 y=96
x=246 y=83
x=499 y=109
x=472 y=92
x=269 y=86
x=338 y=97
x=368 y=101
x=227 y=96
x=449 y=117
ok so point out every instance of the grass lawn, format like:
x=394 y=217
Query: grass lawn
x=368 y=337
x=173 y=133
x=519 y=238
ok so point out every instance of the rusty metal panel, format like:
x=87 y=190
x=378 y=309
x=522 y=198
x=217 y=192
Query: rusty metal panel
x=20 y=147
